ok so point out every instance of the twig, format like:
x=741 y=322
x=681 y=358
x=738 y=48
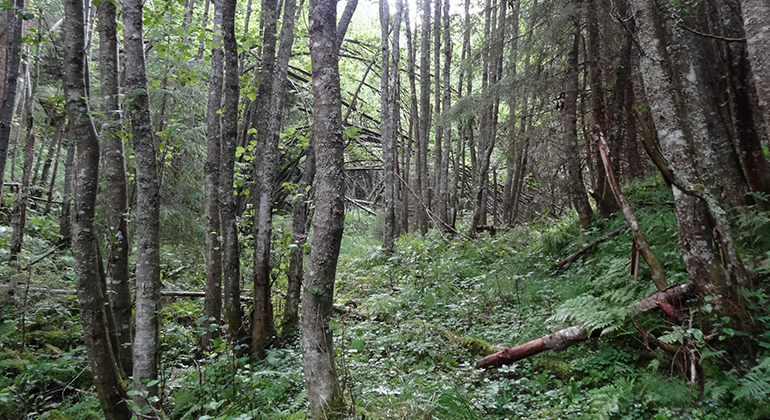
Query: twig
x=721 y=38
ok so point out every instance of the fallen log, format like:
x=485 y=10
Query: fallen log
x=563 y=339
x=565 y=263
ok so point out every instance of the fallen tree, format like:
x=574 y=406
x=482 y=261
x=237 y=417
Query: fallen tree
x=563 y=339
x=565 y=263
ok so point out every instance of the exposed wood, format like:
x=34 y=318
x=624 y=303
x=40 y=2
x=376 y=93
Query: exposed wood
x=656 y=270
x=565 y=263
x=563 y=339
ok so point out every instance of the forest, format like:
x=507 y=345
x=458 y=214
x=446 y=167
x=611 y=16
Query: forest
x=469 y=209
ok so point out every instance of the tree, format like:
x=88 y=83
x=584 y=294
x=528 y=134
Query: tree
x=577 y=188
x=711 y=261
x=147 y=302
x=116 y=207
x=212 y=308
x=262 y=327
x=423 y=174
x=14 y=23
x=324 y=392
x=109 y=386
x=756 y=24
x=231 y=262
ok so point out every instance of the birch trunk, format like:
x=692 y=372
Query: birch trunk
x=116 y=207
x=146 y=344
x=109 y=386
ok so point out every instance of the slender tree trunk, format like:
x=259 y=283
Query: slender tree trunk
x=109 y=386
x=12 y=60
x=414 y=121
x=577 y=188
x=443 y=184
x=342 y=26
x=52 y=184
x=212 y=307
x=231 y=262
x=65 y=218
x=299 y=237
x=58 y=129
x=386 y=134
x=116 y=201
x=324 y=392
x=605 y=200
x=147 y=302
x=438 y=205
x=424 y=173
x=19 y=218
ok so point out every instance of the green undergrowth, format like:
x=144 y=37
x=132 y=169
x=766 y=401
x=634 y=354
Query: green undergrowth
x=410 y=326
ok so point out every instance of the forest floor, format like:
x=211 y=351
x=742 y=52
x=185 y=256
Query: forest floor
x=410 y=326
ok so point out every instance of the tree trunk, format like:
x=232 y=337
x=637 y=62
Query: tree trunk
x=20 y=200
x=425 y=114
x=147 y=302
x=605 y=200
x=298 y=237
x=58 y=132
x=324 y=392
x=438 y=205
x=65 y=218
x=212 y=306
x=386 y=134
x=52 y=184
x=231 y=261
x=756 y=24
x=576 y=185
x=12 y=60
x=109 y=386
x=414 y=123
x=116 y=201
x=263 y=329
x=443 y=170
x=665 y=87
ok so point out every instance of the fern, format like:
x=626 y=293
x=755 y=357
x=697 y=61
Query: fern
x=588 y=311
x=756 y=383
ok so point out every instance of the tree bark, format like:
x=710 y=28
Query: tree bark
x=116 y=202
x=65 y=218
x=324 y=392
x=109 y=386
x=262 y=327
x=425 y=117
x=668 y=93
x=12 y=60
x=756 y=24
x=19 y=218
x=231 y=261
x=263 y=319
x=147 y=302
x=212 y=306
x=298 y=237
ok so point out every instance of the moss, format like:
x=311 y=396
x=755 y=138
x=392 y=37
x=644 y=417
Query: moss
x=11 y=362
x=558 y=368
x=477 y=346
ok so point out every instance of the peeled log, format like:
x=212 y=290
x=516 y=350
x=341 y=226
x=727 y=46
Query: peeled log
x=562 y=339
x=558 y=341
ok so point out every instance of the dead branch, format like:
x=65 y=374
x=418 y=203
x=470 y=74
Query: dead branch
x=565 y=263
x=563 y=339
